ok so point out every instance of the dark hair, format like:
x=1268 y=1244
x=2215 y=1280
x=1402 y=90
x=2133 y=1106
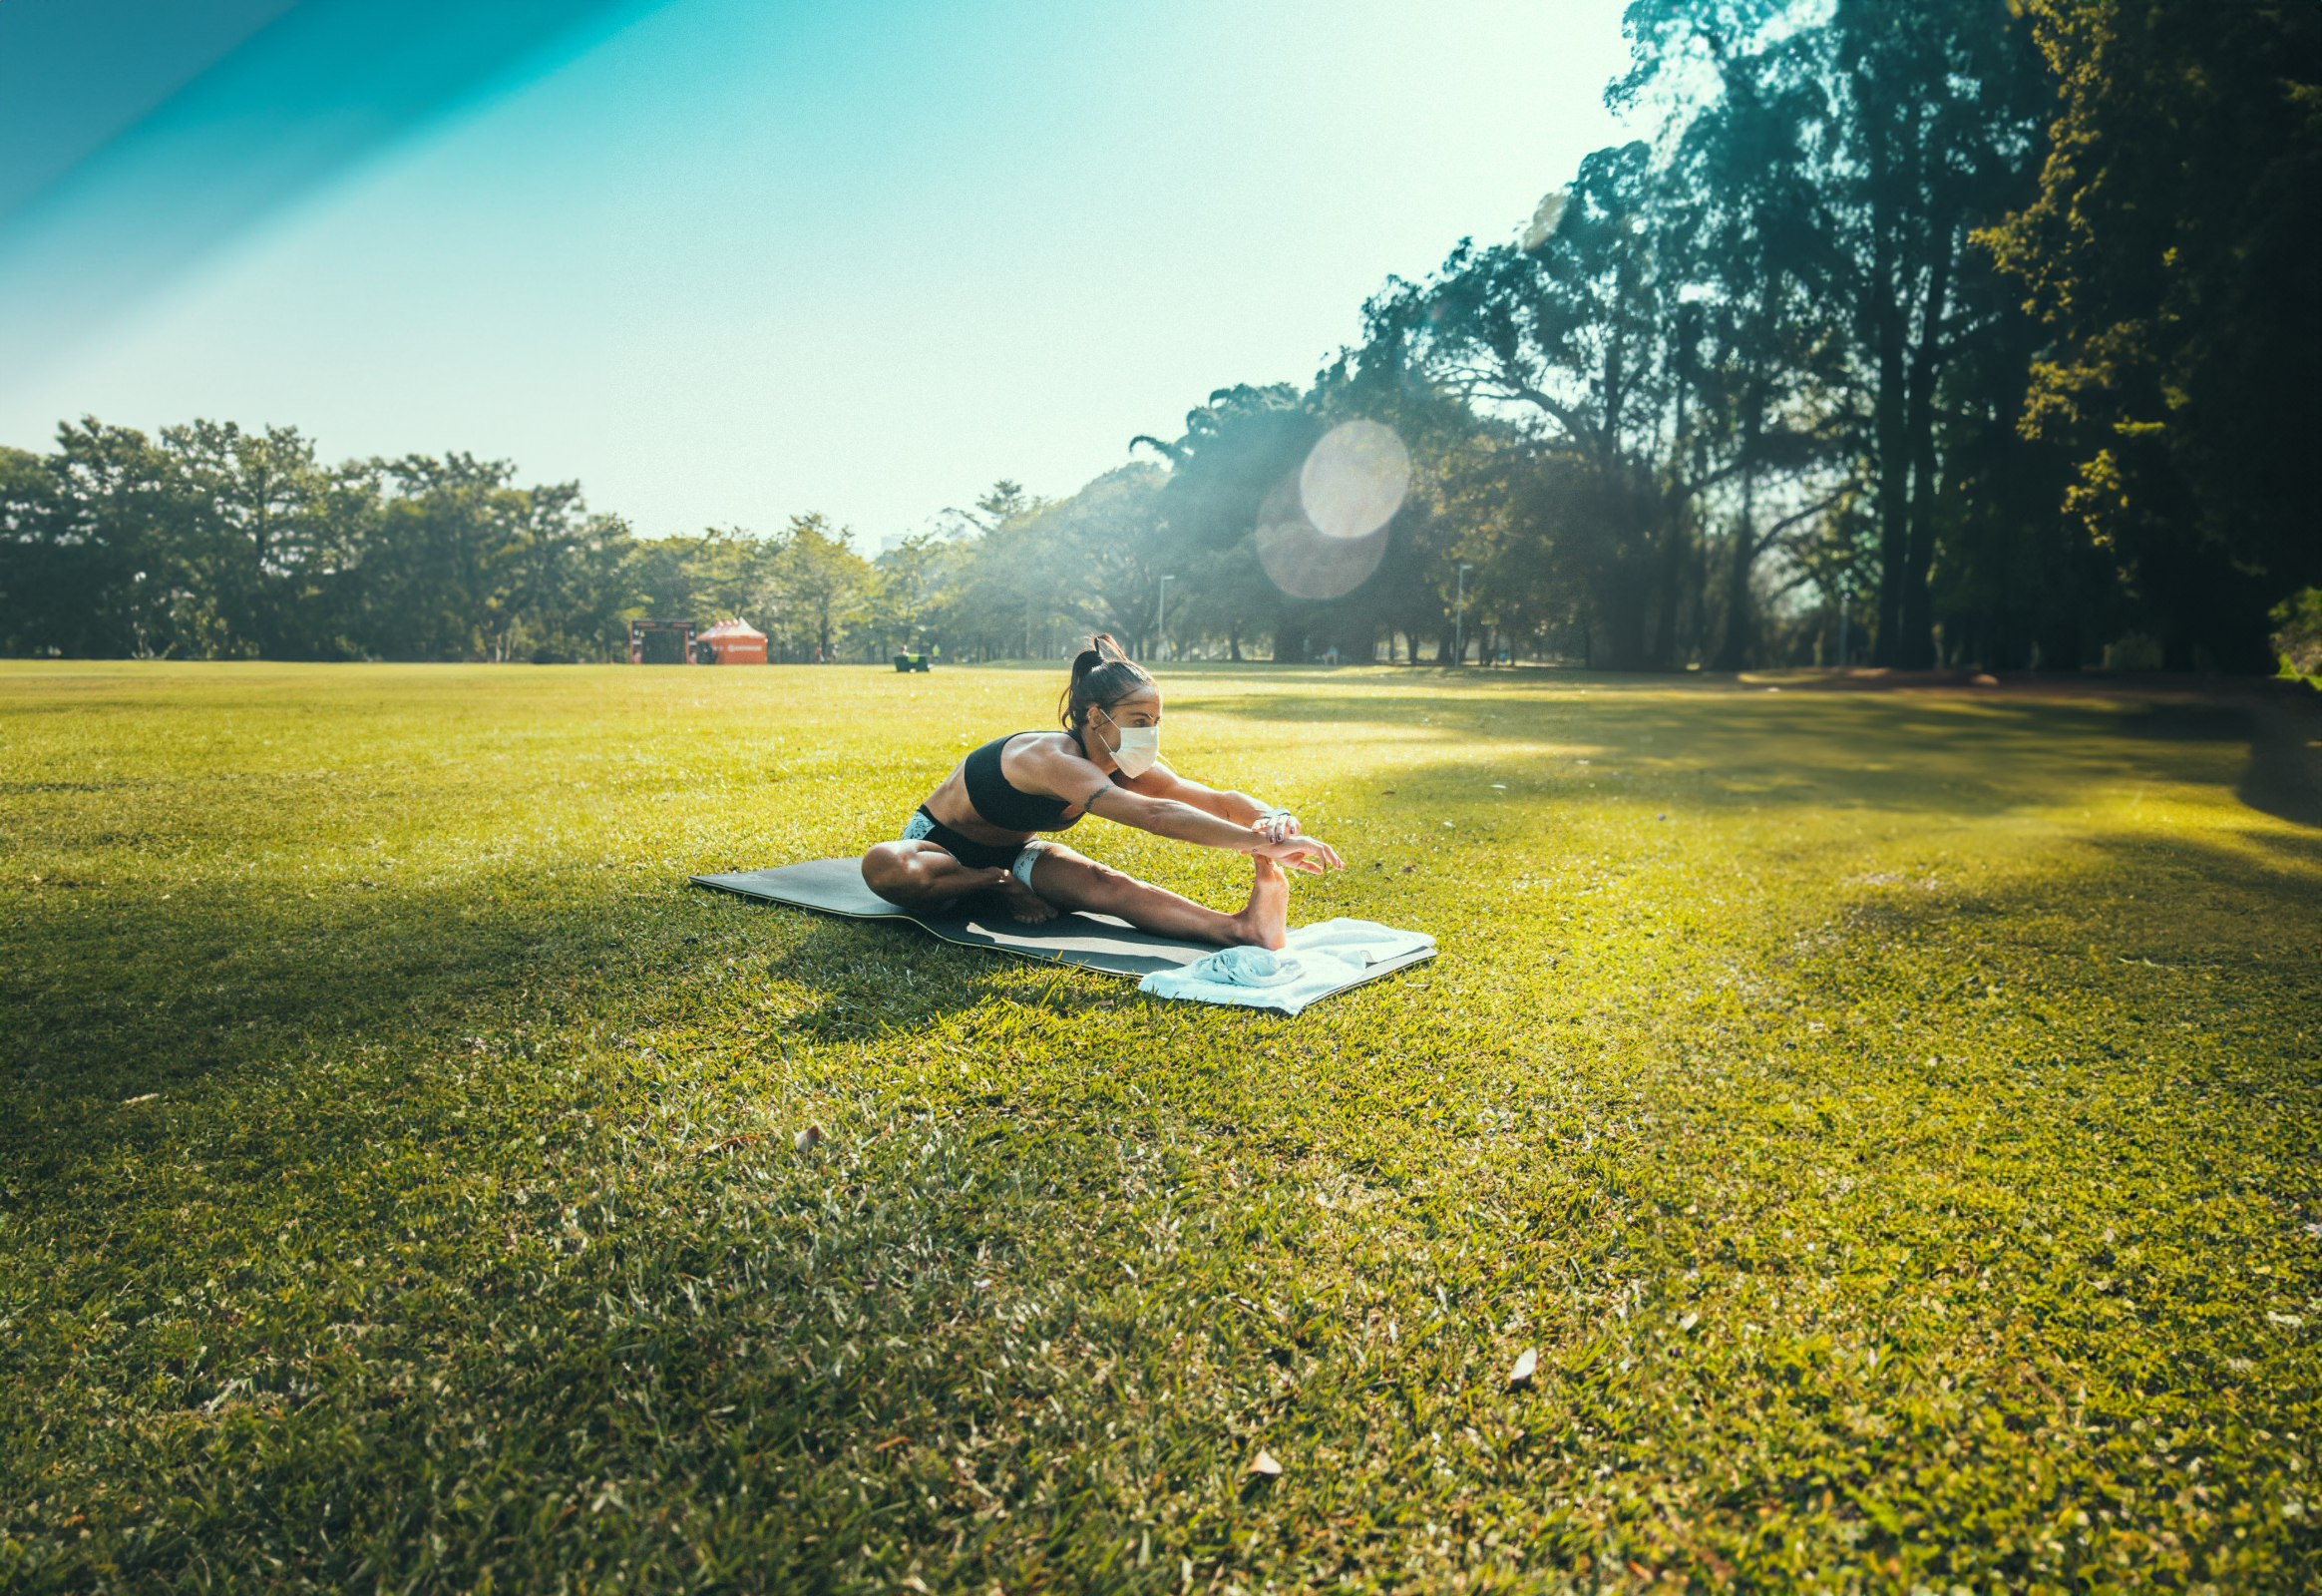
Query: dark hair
x=1102 y=675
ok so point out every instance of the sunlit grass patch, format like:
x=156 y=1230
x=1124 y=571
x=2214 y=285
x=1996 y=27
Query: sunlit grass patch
x=1890 y=1121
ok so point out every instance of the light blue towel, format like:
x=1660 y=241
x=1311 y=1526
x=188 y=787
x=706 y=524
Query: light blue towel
x=1322 y=959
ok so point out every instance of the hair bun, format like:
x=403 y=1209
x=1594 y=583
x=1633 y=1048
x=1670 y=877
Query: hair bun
x=1102 y=674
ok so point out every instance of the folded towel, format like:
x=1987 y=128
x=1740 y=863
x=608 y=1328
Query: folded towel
x=1365 y=941
x=1251 y=967
x=1320 y=958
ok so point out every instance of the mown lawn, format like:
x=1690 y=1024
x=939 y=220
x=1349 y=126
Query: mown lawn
x=1895 y=1122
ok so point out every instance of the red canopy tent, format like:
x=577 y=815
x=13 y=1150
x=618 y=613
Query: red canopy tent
x=735 y=642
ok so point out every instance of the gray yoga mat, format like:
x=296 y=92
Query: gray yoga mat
x=1085 y=941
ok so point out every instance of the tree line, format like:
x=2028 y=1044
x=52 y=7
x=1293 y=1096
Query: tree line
x=208 y=542
x=1971 y=332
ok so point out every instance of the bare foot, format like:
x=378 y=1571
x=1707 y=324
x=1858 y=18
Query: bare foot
x=1266 y=922
x=1024 y=903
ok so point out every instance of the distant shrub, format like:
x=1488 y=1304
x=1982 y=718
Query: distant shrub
x=2297 y=633
x=2133 y=652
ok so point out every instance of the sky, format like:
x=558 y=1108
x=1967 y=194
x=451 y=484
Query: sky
x=724 y=262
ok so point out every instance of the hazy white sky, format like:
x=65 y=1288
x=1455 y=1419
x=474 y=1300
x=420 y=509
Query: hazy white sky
x=725 y=261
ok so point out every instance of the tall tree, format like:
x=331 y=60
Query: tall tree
x=1237 y=451
x=108 y=535
x=2171 y=253
x=825 y=580
x=1938 y=105
x=904 y=588
x=1911 y=125
x=255 y=500
x=1582 y=338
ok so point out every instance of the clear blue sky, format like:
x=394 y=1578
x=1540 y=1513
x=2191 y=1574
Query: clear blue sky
x=727 y=259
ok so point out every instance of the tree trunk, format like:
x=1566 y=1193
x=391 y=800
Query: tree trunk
x=1733 y=648
x=1883 y=294
x=1915 y=645
x=1624 y=629
x=1676 y=521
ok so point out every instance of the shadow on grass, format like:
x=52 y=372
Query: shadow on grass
x=1960 y=755
x=2285 y=766
x=111 y=1001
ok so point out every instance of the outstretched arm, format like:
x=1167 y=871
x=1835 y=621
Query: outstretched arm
x=1238 y=807
x=1162 y=782
x=1168 y=817
x=1162 y=802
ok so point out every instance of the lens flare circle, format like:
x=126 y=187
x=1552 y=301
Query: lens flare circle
x=1305 y=561
x=1353 y=481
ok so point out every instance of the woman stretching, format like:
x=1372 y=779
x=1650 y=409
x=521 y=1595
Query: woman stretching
x=976 y=834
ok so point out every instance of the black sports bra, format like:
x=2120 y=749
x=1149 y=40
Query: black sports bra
x=999 y=802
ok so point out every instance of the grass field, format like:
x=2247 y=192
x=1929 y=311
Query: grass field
x=1894 y=1122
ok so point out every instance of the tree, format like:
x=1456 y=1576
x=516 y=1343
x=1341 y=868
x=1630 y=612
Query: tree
x=563 y=578
x=1106 y=548
x=1901 y=129
x=106 y=539
x=1001 y=592
x=824 y=580
x=2169 y=254
x=430 y=577
x=904 y=588
x=1581 y=340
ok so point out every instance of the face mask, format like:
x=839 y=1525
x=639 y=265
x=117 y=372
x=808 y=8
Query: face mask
x=1140 y=750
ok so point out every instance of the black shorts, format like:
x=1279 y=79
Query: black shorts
x=1016 y=860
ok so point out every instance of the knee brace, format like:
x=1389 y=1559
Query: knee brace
x=1022 y=866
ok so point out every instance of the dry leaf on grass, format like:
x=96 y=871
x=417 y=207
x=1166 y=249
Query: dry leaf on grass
x=1262 y=1465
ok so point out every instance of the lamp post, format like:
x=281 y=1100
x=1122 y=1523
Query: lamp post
x=1459 y=619
x=1161 y=618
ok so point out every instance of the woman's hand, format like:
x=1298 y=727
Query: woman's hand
x=1276 y=825
x=1310 y=854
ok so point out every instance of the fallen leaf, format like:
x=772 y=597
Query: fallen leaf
x=1527 y=1362
x=807 y=1138
x=1264 y=1465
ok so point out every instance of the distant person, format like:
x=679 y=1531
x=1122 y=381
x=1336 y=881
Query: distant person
x=977 y=832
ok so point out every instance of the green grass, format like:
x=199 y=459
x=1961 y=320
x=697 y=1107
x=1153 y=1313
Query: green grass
x=1893 y=1120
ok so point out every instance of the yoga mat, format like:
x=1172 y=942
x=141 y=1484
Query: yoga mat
x=1084 y=940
